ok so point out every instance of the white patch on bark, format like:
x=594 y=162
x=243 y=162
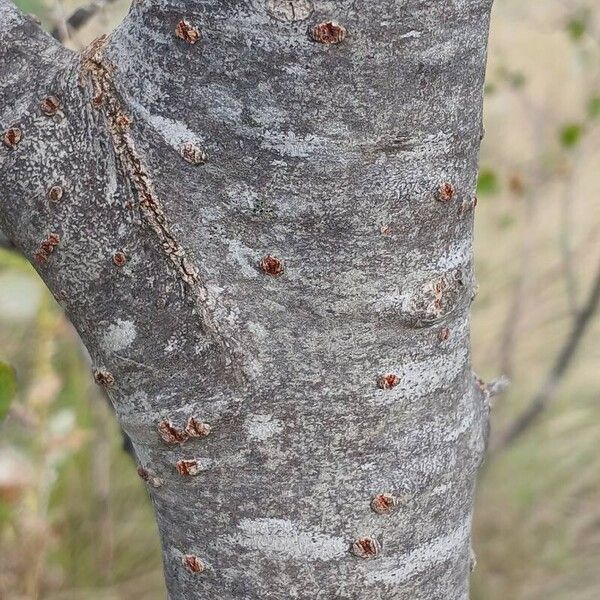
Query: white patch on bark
x=119 y=335
x=263 y=427
x=411 y=34
x=399 y=569
x=422 y=377
x=431 y=145
x=258 y=330
x=279 y=538
x=242 y=195
x=175 y=133
x=290 y=144
x=458 y=256
x=290 y=10
x=245 y=257
x=112 y=186
x=440 y=490
x=172 y=344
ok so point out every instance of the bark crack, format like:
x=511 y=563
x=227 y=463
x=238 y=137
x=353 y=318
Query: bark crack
x=99 y=72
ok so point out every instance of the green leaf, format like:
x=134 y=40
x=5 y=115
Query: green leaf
x=576 y=28
x=570 y=134
x=593 y=108
x=8 y=387
x=487 y=183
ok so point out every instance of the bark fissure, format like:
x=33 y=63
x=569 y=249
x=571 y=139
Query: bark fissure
x=96 y=69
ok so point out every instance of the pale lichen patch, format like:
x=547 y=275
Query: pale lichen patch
x=119 y=335
x=422 y=377
x=263 y=427
x=277 y=538
x=242 y=257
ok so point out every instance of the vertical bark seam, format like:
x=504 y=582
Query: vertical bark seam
x=99 y=72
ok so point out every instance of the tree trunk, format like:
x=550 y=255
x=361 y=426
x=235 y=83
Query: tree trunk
x=258 y=216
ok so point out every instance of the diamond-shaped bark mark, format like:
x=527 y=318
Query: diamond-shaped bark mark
x=329 y=32
x=384 y=504
x=119 y=258
x=388 y=381
x=366 y=547
x=445 y=192
x=444 y=334
x=46 y=248
x=196 y=428
x=55 y=193
x=104 y=378
x=193 y=564
x=272 y=266
x=188 y=467
x=193 y=154
x=149 y=478
x=170 y=434
x=50 y=105
x=188 y=32
x=12 y=137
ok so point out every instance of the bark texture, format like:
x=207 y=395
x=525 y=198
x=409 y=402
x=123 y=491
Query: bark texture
x=264 y=238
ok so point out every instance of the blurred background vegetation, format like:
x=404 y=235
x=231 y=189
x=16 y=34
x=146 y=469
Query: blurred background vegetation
x=75 y=521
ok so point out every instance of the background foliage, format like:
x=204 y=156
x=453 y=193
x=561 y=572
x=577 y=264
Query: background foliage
x=75 y=521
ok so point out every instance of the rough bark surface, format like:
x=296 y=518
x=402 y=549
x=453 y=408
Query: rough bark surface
x=264 y=239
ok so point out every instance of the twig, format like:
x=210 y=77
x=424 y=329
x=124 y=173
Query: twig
x=78 y=19
x=566 y=245
x=563 y=361
x=61 y=28
x=497 y=386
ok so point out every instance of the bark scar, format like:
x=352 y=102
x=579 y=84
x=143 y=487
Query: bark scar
x=98 y=71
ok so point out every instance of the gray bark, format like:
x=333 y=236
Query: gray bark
x=269 y=231
x=5 y=242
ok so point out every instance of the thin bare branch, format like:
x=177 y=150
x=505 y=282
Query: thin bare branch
x=566 y=242
x=498 y=386
x=78 y=19
x=562 y=363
